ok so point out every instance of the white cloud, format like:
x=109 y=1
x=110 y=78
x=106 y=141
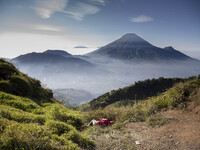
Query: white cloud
x=46 y=28
x=99 y=2
x=141 y=18
x=45 y=8
x=80 y=10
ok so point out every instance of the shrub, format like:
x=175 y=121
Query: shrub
x=19 y=104
x=21 y=86
x=6 y=70
x=80 y=139
x=3 y=124
x=21 y=116
x=69 y=145
x=64 y=117
x=31 y=136
x=5 y=86
x=58 y=127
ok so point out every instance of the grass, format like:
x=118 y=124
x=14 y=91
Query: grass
x=156 y=120
x=21 y=116
x=148 y=111
x=110 y=138
x=15 y=82
x=31 y=136
x=26 y=125
x=176 y=97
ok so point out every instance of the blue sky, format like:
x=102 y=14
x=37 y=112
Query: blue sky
x=37 y=25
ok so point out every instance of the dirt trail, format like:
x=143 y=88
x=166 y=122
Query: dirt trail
x=181 y=132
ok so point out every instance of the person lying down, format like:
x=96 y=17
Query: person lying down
x=103 y=122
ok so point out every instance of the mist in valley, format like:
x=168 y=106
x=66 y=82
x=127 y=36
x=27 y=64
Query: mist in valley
x=105 y=75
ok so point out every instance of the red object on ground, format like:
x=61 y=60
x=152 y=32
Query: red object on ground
x=112 y=122
x=100 y=123
x=105 y=122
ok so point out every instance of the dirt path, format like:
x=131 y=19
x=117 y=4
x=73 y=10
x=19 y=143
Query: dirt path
x=181 y=132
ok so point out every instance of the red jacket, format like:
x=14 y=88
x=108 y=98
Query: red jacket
x=105 y=122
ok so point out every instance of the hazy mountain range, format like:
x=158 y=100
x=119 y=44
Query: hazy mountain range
x=118 y=64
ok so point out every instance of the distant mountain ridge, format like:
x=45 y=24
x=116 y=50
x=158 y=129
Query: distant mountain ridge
x=51 y=57
x=58 y=52
x=133 y=47
x=47 y=66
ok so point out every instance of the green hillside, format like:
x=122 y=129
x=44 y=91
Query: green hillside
x=139 y=91
x=15 y=82
x=174 y=97
x=31 y=119
x=152 y=114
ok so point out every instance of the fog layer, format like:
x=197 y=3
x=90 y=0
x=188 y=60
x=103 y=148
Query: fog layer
x=106 y=74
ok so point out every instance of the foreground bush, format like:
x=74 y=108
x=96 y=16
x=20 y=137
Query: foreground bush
x=15 y=82
x=60 y=114
x=21 y=116
x=80 y=139
x=58 y=127
x=31 y=136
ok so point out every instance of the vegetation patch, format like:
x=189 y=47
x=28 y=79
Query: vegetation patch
x=156 y=120
x=14 y=82
x=109 y=138
x=31 y=136
x=141 y=90
x=31 y=119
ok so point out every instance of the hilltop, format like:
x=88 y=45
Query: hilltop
x=58 y=52
x=15 y=82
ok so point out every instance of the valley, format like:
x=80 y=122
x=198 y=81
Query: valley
x=123 y=62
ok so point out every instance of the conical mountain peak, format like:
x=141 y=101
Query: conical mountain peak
x=169 y=48
x=132 y=47
x=131 y=40
x=131 y=37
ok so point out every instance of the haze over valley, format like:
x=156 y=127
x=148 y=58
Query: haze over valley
x=118 y=64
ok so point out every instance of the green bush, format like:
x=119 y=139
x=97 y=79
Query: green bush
x=31 y=136
x=58 y=127
x=69 y=145
x=21 y=116
x=3 y=124
x=80 y=139
x=14 y=82
x=64 y=117
x=5 y=86
x=21 y=86
x=24 y=104
x=19 y=104
x=6 y=70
